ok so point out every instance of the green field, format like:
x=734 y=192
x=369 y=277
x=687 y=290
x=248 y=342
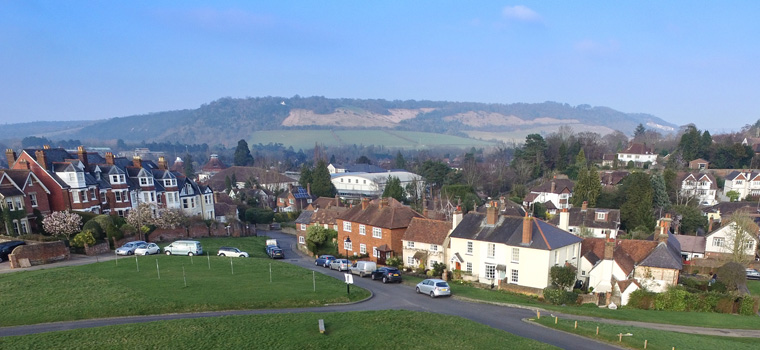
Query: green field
x=656 y=339
x=305 y=139
x=348 y=330
x=186 y=284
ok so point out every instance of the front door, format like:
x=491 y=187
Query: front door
x=458 y=266
x=382 y=256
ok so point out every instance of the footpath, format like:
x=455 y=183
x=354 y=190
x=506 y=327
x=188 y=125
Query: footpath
x=74 y=260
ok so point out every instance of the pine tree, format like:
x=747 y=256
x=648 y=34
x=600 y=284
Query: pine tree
x=306 y=176
x=188 y=162
x=639 y=132
x=321 y=185
x=243 y=155
x=400 y=161
x=636 y=211
x=393 y=189
x=659 y=193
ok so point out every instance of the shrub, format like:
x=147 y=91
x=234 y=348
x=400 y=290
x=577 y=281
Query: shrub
x=748 y=305
x=725 y=305
x=705 y=302
x=394 y=261
x=641 y=299
x=94 y=227
x=732 y=274
x=438 y=269
x=82 y=238
x=557 y=296
x=674 y=299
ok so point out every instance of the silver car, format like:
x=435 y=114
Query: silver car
x=232 y=251
x=753 y=274
x=129 y=247
x=340 y=264
x=148 y=249
x=433 y=287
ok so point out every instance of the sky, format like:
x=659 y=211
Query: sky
x=683 y=61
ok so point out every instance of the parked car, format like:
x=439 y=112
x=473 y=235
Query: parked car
x=275 y=252
x=231 y=251
x=324 y=260
x=129 y=247
x=184 y=248
x=753 y=274
x=340 y=264
x=148 y=249
x=433 y=287
x=386 y=274
x=363 y=268
x=6 y=248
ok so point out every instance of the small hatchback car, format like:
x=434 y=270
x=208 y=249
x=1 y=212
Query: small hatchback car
x=387 y=274
x=231 y=251
x=433 y=287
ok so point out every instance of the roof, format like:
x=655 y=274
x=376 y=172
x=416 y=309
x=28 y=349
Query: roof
x=692 y=244
x=560 y=185
x=392 y=216
x=697 y=177
x=305 y=217
x=214 y=164
x=508 y=230
x=243 y=173
x=589 y=218
x=326 y=202
x=631 y=252
x=613 y=177
x=10 y=191
x=427 y=231
x=327 y=216
x=637 y=148
x=742 y=175
x=360 y=168
x=728 y=208
x=663 y=256
x=380 y=178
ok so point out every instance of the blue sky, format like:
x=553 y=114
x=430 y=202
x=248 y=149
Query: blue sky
x=683 y=61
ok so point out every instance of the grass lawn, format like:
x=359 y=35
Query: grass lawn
x=754 y=287
x=348 y=330
x=656 y=339
x=696 y=319
x=117 y=288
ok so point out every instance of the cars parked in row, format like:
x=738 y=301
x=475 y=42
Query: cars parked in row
x=148 y=249
x=189 y=248
x=6 y=248
x=386 y=274
x=363 y=268
x=433 y=287
x=129 y=247
x=324 y=260
x=340 y=264
x=231 y=251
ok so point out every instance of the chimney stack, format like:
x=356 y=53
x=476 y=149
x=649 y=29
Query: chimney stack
x=456 y=218
x=337 y=201
x=492 y=213
x=383 y=202
x=527 y=230
x=709 y=227
x=137 y=161
x=25 y=165
x=308 y=189
x=46 y=147
x=109 y=158
x=10 y=154
x=162 y=163
x=584 y=206
x=365 y=203
x=609 y=246
x=554 y=187
x=82 y=155
x=40 y=154
x=564 y=219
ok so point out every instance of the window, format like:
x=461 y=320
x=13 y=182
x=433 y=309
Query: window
x=601 y=215
x=29 y=182
x=93 y=194
x=185 y=203
x=718 y=241
x=375 y=252
x=362 y=248
x=33 y=199
x=433 y=262
x=302 y=239
x=515 y=255
x=23 y=227
x=490 y=271
x=103 y=198
x=491 y=250
x=348 y=245
x=117 y=194
x=469 y=267
x=749 y=244
x=9 y=203
x=410 y=261
x=145 y=181
x=409 y=244
x=83 y=195
x=74 y=196
x=556 y=257
x=303 y=227
x=19 y=203
x=346 y=226
x=377 y=232
x=433 y=248
x=469 y=248
x=291 y=201
x=515 y=276
x=15 y=227
x=362 y=230
x=583 y=272
x=365 y=182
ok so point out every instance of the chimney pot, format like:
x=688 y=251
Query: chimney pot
x=10 y=154
x=527 y=229
x=584 y=206
x=365 y=203
x=109 y=158
x=137 y=161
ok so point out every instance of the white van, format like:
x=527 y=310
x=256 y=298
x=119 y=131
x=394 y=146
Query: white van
x=272 y=242
x=363 y=268
x=184 y=248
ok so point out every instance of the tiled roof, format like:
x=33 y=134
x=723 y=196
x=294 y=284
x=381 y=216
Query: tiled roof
x=19 y=176
x=326 y=202
x=692 y=244
x=631 y=252
x=243 y=173
x=10 y=191
x=394 y=215
x=561 y=185
x=683 y=176
x=508 y=230
x=637 y=148
x=613 y=177
x=427 y=231
x=214 y=164
x=578 y=217
x=328 y=216
x=305 y=217
x=728 y=208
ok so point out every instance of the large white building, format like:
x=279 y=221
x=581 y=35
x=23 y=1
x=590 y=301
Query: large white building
x=637 y=153
x=360 y=184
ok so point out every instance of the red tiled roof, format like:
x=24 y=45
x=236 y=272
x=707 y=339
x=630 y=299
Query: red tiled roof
x=427 y=231
x=637 y=148
x=392 y=216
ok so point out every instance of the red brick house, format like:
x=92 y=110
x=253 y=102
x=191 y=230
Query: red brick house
x=375 y=228
x=35 y=192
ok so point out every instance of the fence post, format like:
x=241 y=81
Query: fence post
x=157 y=269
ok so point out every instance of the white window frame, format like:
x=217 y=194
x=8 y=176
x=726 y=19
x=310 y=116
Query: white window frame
x=301 y=239
x=468 y=267
x=33 y=199
x=362 y=248
x=491 y=250
x=303 y=227
x=362 y=229
x=348 y=245
x=516 y=255
x=375 y=252
x=410 y=244
x=514 y=276
x=490 y=271
x=347 y=226
x=433 y=247
x=377 y=232
x=469 y=248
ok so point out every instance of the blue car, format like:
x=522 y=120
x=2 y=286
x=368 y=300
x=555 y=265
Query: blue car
x=324 y=260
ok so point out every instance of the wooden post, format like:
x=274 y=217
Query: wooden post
x=645 y=343
x=231 y=267
x=137 y=264
x=538 y=314
x=314 y=280
x=157 y=270
x=183 y=275
x=620 y=337
x=555 y=319
x=321 y=326
x=597 y=330
x=209 y=260
x=576 y=324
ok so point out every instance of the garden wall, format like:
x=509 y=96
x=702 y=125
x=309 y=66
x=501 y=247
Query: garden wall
x=38 y=254
x=200 y=230
x=97 y=249
x=520 y=289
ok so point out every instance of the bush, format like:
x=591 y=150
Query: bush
x=438 y=269
x=557 y=296
x=748 y=305
x=286 y=217
x=732 y=274
x=641 y=299
x=82 y=238
x=705 y=302
x=674 y=299
x=95 y=229
x=725 y=305
x=394 y=261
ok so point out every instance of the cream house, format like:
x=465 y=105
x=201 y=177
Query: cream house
x=425 y=241
x=725 y=238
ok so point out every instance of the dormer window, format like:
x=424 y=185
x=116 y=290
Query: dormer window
x=146 y=181
x=601 y=216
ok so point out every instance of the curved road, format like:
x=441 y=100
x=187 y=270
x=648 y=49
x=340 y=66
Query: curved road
x=386 y=296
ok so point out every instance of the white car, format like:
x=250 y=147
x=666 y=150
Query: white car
x=148 y=249
x=129 y=247
x=433 y=287
x=753 y=274
x=231 y=251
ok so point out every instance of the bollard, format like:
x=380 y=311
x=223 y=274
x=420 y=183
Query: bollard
x=576 y=324
x=183 y=275
x=314 y=280
x=645 y=343
x=137 y=264
x=555 y=319
x=157 y=270
x=538 y=314
x=597 y=330
x=231 y=267
x=620 y=337
x=209 y=260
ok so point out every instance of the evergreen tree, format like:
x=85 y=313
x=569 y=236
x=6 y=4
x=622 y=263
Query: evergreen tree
x=400 y=161
x=562 y=157
x=306 y=176
x=705 y=144
x=363 y=160
x=227 y=183
x=243 y=155
x=589 y=185
x=689 y=144
x=639 y=132
x=321 y=185
x=636 y=211
x=659 y=192
x=188 y=162
x=393 y=189
x=332 y=159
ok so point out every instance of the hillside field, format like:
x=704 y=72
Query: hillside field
x=305 y=139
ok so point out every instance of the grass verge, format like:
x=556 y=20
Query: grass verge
x=634 y=337
x=186 y=284
x=348 y=330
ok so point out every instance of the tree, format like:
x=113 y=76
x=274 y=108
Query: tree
x=659 y=192
x=400 y=162
x=243 y=155
x=532 y=151
x=170 y=218
x=562 y=276
x=188 y=162
x=363 y=160
x=63 y=223
x=739 y=238
x=393 y=189
x=321 y=185
x=259 y=215
x=639 y=132
x=691 y=219
x=307 y=176
x=434 y=173
x=637 y=206
x=141 y=218
x=470 y=170
x=464 y=193
x=589 y=185
x=227 y=183
x=317 y=237
x=732 y=274
x=733 y=196
x=83 y=238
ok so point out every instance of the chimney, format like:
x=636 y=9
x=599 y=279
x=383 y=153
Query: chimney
x=425 y=212
x=365 y=203
x=709 y=227
x=162 y=163
x=584 y=206
x=527 y=229
x=216 y=197
x=492 y=213
x=564 y=219
x=137 y=161
x=664 y=227
x=308 y=189
x=456 y=218
x=10 y=154
x=609 y=246
x=337 y=201
x=82 y=155
x=40 y=154
x=383 y=202
x=109 y=158
x=25 y=165
x=46 y=147
x=554 y=187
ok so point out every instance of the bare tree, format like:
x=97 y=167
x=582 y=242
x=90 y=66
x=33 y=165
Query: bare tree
x=740 y=246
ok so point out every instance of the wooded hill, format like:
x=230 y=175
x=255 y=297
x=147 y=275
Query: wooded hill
x=227 y=120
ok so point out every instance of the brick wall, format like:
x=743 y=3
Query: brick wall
x=199 y=230
x=97 y=249
x=520 y=289
x=39 y=254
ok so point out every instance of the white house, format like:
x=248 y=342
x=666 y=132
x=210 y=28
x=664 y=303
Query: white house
x=639 y=154
x=722 y=240
x=558 y=192
x=510 y=250
x=361 y=184
x=424 y=241
x=746 y=183
x=588 y=222
x=700 y=186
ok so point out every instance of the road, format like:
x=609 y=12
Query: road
x=385 y=297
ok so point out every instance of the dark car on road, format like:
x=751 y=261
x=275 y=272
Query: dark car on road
x=387 y=274
x=324 y=260
x=6 y=248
